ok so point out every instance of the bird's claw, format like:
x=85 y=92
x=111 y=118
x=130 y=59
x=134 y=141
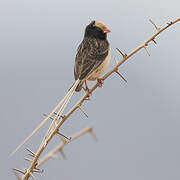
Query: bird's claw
x=100 y=82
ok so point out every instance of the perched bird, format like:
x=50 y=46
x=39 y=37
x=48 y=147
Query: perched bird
x=93 y=54
x=92 y=59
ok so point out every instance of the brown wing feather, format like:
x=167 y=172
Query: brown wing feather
x=91 y=53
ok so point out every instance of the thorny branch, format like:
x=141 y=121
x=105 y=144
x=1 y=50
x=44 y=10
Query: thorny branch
x=34 y=164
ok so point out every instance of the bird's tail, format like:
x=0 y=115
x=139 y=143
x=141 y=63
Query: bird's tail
x=79 y=86
x=58 y=110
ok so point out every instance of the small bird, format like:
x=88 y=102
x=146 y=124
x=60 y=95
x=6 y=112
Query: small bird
x=92 y=59
x=93 y=54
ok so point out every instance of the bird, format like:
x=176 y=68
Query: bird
x=93 y=54
x=91 y=61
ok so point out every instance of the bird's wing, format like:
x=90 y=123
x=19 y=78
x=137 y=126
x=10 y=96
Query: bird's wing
x=90 y=55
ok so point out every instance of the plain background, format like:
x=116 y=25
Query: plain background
x=137 y=124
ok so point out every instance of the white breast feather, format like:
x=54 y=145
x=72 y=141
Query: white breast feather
x=101 y=69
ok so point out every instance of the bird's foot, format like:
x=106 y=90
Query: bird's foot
x=86 y=89
x=100 y=82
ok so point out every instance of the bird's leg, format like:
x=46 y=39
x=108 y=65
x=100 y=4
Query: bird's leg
x=100 y=82
x=87 y=89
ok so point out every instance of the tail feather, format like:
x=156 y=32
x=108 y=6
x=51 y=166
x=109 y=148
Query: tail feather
x=62 y=105
x=79 y=86
x=61 y=110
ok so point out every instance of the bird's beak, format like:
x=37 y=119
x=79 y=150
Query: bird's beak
x=106 y=30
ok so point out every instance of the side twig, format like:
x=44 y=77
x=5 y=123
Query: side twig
x=60 y=147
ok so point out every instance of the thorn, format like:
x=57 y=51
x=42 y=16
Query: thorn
x=27 y=159
x=68 y=138
x=145 y=47
x=16 y=174
x=38 y=171
x=32 y=153
x=123 y=55
x=36 y=168
x=63 y=154
x=49 y=117
x=157 y=28
x=93 y=135
x=170 y=23
x=154 y=41
x=82 y=110
x=33 y=177
x=21 y=171
x=121 y=75
x=58 y=115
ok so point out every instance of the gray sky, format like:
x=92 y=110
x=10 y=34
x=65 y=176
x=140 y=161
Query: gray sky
x=137 y=124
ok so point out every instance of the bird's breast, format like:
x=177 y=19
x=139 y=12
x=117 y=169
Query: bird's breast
x=101 y=69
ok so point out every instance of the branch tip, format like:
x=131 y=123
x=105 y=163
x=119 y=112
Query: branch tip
x=93 y=134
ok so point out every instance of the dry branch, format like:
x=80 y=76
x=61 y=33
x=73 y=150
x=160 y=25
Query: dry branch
x=34 y=163
x=60 y=147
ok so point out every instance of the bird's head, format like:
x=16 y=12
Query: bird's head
x=97 y=29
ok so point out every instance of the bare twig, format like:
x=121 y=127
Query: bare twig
x=60 y=147
x=59 y=124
